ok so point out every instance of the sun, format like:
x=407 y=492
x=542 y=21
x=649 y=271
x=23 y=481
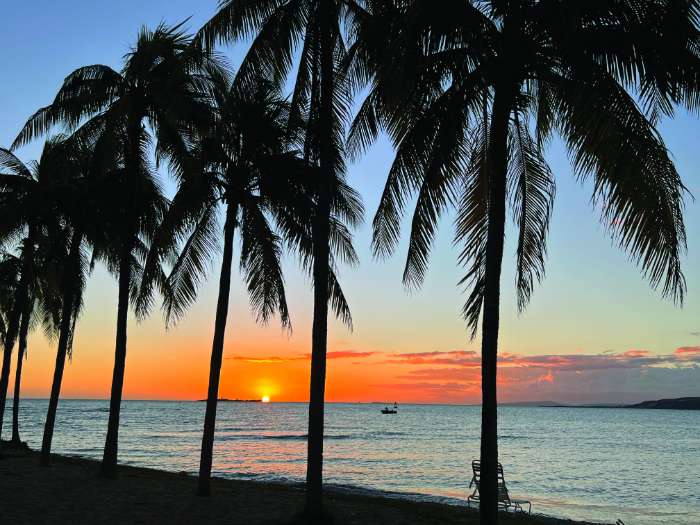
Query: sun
x=265 y=399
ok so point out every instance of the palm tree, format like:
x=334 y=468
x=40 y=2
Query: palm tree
x=39 y=308
x=26 y=214
x=155 y=99
x=245 y=164
x=10 y=270
x=320 y=98
x=77 y=193
x=462 y=90
x=242 y=147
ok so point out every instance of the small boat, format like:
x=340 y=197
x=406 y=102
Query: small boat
x=387 y=410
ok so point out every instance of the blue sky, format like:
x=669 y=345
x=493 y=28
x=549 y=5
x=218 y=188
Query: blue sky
x=592 y=301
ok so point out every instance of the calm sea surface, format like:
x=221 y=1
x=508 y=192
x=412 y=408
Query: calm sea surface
x=642 y=466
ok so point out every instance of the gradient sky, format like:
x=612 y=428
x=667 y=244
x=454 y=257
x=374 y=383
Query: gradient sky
x=594 y=331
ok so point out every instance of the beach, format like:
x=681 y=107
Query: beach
x=588 y=464
x=70 y=491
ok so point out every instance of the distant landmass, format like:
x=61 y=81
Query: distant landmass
x=679 y=403
x=226 y=400
x=531 y=404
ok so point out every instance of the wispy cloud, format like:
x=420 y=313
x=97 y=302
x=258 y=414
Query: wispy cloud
x=571 y=362
x=688 y=353
x=344 y=354
x=265 y=360
x=627 y=376
x=337 y=354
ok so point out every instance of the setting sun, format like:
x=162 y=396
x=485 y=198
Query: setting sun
x=265 y=399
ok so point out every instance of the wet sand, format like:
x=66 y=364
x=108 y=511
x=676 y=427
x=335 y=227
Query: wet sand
x=70 y=491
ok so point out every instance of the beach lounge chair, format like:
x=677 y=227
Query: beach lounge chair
x=505 y=502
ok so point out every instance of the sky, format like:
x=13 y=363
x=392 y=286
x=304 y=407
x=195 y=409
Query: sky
x=594 y=331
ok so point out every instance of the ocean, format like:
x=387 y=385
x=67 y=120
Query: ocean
x=597 y=464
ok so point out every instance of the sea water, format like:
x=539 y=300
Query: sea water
x=597 y=464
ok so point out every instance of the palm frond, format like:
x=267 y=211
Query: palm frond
x=471 y=224
x=634 y=178
x=261 y=251
x=532 y=190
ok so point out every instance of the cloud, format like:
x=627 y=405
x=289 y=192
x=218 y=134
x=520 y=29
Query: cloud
x=571 y=362
x=695 y=334
x=337 y=354
x=636 y=353
x=617 y=377
x=547 y=378
x=343 y=354
x=688 y=353
x=455 y=376
x=455 y=358
x=264 y=360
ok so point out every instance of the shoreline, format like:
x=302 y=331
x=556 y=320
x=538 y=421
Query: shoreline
x=69 y=491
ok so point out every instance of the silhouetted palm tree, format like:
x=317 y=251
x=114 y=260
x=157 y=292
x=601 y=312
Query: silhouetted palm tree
x=321 y=99
x=40 y=308
x=155 y=99
x=244 y=163
x=78 y=189
x=10 y=271
x=25 y=214
x=462 y=90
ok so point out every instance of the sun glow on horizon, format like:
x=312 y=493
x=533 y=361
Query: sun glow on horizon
x=265 y=399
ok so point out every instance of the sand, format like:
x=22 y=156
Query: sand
x=70 y=491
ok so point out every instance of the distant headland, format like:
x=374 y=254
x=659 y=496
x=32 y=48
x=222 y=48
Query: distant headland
x=679 y=403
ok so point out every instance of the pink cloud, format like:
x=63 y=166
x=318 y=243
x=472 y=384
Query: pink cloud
x=630 y=359
x=547 y=378
x=338 y=354
x=636 y=353
x=455 y=358
x=686 y=353
x=342 y=354
x=261 y=360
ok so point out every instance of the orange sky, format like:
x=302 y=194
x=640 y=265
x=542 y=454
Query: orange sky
x=261 y=361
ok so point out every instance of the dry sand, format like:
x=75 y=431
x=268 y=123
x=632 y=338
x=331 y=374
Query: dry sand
x=70 y=492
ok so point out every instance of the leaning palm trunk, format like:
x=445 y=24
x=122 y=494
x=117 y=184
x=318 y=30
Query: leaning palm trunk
x=321 y=231
x=63 y=339
x=109 y=458
x=497 y=172
x=21 y=298
x=217 y=352
x=21 y=352
x=10 y=337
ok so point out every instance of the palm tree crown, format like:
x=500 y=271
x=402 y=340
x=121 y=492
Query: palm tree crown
x=471 y=94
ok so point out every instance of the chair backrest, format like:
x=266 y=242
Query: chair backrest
x=503 y=495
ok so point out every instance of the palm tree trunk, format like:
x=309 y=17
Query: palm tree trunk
x=109 y=458
x=217 y=352
x=68 y=300
x=320 y=234
x=497 y=169
x=21 y=351
x=21 y=297
x=10 y=336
